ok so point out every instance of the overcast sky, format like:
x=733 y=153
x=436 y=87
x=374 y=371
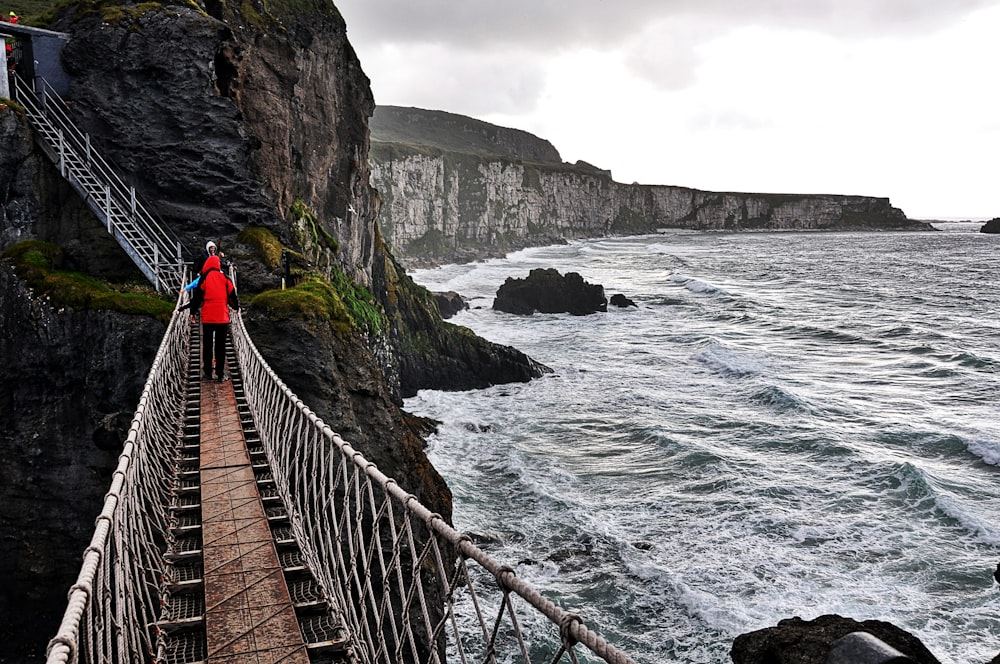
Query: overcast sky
x=896 y=98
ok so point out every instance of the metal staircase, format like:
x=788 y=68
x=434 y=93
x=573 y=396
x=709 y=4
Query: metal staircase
x=147 y=242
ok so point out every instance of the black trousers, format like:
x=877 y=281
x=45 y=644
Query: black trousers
x=213 y=345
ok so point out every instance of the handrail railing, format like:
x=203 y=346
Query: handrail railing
x=153 y=248
x=410 y=587
x=116 y=595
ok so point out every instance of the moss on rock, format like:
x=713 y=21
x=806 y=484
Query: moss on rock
x=346 y=305
x=264 y=244
x=39 y=264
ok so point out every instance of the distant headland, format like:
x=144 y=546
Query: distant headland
x=456 y=189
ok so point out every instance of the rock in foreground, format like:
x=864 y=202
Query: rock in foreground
x=991 y=226
x=797 y=641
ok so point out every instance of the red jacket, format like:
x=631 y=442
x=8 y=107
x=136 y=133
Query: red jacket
x=214 y=294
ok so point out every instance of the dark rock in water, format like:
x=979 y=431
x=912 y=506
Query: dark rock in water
x=548 y=292
x=797 y=641
x=436 y=355
x=991 y=226
x=450 y=303
x=621 y=301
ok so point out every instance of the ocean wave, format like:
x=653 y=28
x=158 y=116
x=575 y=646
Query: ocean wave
x=973 y=361
x=939 y=372
x=925 y=495
x=987 y=450
x=897 y=331
x=728 y=362
x=830 y=334
x=696 y=285
x=780 y=400
x=971 y=523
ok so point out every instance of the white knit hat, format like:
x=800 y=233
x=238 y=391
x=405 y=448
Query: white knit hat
x=208 y=247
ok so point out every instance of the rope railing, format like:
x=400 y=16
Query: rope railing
x=409 y=587
x=406 y=586
x=116 y=594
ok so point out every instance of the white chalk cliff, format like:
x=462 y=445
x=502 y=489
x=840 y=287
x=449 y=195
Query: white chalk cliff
x=455 y=189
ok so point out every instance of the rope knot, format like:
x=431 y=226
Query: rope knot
x=502 y=573
x=85 y=588
x=566 y=627
x=68 y=642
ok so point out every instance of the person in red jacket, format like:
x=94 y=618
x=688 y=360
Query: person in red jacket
x=214 y=295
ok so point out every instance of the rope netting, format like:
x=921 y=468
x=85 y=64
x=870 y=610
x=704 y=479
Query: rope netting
x=409 y=587
x=406 y=586
x=117 y=593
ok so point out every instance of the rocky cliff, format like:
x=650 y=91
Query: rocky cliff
x=69 y=386
x=447 y=196
x=235 y=123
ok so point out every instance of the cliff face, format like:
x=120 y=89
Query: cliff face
x=225 y=119
x=69 y=387
x=449 y=200
x=222 y=119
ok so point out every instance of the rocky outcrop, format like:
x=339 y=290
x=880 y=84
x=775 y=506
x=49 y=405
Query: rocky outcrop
x=991 y=226
x=223 y=117
x=445 y=202
x=438 y=355
x=548 y=292
x=621 y=301
x=797 y=641
x=450 y=303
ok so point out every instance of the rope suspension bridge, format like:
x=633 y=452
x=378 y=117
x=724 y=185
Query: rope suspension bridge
x=239 y=527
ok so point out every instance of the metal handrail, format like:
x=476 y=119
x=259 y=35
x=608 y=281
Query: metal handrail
x=60 y=109
x=161 y=258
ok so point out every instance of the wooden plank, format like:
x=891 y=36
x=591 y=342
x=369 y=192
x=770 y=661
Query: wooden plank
x=249 y=617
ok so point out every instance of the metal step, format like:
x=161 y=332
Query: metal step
x=144 y=240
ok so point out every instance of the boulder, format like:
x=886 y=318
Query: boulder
x=621 y=301
x=450 y=303
x=547 y=291
x=798 y=641
x=991 y=226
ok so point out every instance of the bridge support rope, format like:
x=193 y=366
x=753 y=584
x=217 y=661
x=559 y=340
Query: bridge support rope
x=409 y=587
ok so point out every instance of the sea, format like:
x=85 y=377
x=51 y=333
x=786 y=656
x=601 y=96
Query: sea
x=786 y=424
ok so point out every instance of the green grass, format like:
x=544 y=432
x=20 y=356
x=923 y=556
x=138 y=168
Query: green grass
x=346 y=305
x=453 y=133
x=39 y=263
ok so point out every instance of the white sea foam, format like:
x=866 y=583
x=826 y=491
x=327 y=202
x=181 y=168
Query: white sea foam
x=728 y=361
x=707 y=468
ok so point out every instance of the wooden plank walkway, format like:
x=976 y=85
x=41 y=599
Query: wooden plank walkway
x=249 y=616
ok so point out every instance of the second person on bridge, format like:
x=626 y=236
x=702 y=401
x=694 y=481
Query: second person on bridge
x=214 y=295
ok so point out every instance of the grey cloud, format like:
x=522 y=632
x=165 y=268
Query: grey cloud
x=551 y=25
x=487 y=56
x=462 y=81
